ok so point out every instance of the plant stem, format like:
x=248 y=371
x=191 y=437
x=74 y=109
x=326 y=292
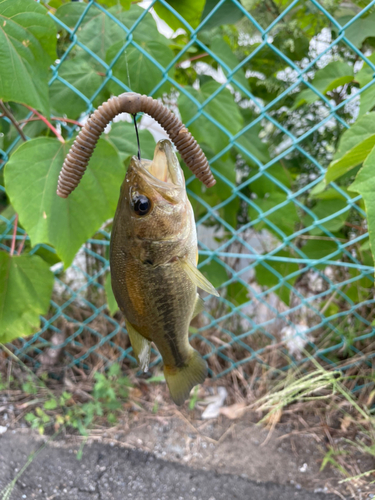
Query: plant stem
x=54 y=118
x=194 y=58
x=20 y=248
x=9 y=115
x=14 y=235
x=48 y=123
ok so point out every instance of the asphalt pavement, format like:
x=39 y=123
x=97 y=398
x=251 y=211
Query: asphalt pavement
x=107 y=472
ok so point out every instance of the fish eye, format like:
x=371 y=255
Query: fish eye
x=141 y=204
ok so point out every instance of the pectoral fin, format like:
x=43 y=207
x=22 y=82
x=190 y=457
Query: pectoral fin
x=197 y=277
x=140 y=345
x=198 y=306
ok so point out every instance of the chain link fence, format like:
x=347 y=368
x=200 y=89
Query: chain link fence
x=288 y=262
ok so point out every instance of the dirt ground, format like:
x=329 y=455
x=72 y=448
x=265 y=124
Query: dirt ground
x=108 y=472
x=166 y=456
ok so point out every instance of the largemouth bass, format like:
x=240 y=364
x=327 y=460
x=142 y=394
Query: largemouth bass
x=153 y=257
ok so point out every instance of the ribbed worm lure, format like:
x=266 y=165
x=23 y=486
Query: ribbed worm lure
x=79 y=155
x=153 y=251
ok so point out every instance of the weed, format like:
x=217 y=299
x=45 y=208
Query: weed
x=194 y=398
x=109 y=392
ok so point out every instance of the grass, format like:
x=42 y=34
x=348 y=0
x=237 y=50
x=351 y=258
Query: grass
x=324 y=393
x=6 y=492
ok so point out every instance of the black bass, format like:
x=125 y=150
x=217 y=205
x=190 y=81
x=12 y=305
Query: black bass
x=153 y=257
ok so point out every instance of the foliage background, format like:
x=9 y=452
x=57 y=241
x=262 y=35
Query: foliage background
x=278 y=93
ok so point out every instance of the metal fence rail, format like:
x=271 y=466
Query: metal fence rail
x=250 y=327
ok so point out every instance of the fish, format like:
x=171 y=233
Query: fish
x=153 y=263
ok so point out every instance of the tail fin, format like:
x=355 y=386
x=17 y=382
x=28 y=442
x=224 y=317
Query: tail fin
x=180 y=381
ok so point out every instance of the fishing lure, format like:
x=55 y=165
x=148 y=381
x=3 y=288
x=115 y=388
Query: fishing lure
x=79 y=155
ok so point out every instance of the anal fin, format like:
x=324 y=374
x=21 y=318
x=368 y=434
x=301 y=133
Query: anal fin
x=140 y=345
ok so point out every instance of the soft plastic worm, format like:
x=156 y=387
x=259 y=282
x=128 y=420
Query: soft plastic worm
x=79 y=155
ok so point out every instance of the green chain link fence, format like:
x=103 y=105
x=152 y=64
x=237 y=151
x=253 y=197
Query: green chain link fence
x=275 y=290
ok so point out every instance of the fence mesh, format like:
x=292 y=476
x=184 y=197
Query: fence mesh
x=256 y=264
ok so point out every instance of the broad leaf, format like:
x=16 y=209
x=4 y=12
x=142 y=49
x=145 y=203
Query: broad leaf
x=136 y=70
x=125 y=4
x=330 y=77
x=190 y=10
x=250 y=142
x=324 y=209
x=361 y=29
x=318 y=249
x=262 y=186
x=284 y=217
x=367 y=100
x=27 y=48
x=362 y=129
x=82 y=76
x=223 y=51
x=25 y=290
x=237 y=293
x=271 y=278
x=70 y=13
x=123 y=138
x=31 y=179
x=214 y=272
x=222 y=108
x=228 y=13
x=364 y=75
x=364 y=184
x=111 y=301
x=101 y=32
x=351 y=159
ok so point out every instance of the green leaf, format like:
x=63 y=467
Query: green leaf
x=71 y=12
x=318 y=249
x=228 y=13
x=362 y=28
x=268 y=278
x=333 y=75
x=263 y=186
x=222 y=108
x=84 y=77
x=190 y=10
x=351 y=159
x=25 y=290
x=125 y=4
x=364 y=184
x=367 y=100
x=100 y=32
x=237 y=293
x=50 y=404
x=364 y=75
x=223 y=51
x=111 y=301
x=136 y=69
x=284 y=217
x=358 y=132
x=27 y=48
x=122 y=136
x=326 y=208
x=251 y=143
x=215 y=273
x=31 y=179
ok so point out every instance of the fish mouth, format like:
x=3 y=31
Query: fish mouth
x=164 y=168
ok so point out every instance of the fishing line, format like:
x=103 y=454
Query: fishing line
x=136 y=131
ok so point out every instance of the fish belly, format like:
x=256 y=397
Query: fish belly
x=158 y=302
